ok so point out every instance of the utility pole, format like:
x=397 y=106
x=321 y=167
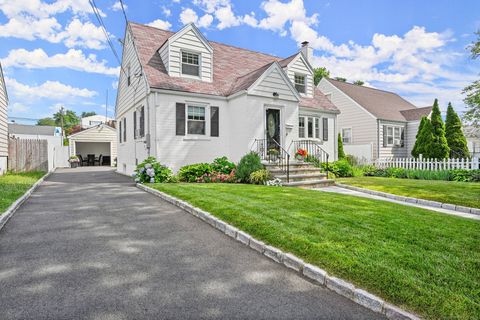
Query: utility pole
x=61 y=122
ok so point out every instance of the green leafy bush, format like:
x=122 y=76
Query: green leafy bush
x=222 y=165
x=446 y=175
x=249 y=163
x=150 y=170
x=217 y=177
x=340 y=168
x=465 y=175
x=260 y=176
x=192 y=172
x=369 y=170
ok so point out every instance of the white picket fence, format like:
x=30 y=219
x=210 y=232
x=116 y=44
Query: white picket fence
x=428 y=164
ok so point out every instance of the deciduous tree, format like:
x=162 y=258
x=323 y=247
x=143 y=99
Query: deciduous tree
x=319 y=73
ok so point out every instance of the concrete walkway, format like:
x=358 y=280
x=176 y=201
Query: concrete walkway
x=346 y=191
x=89 y=245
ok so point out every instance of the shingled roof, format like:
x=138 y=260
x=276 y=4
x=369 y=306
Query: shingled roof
x=234 y=68
x=382 y=104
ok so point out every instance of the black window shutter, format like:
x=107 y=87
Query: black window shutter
x=142 y=122
x=402 y=137
x=124 y=129
x=384 y=136
x=180 y=119
x=120 y=131
x=135 y=124
x=214 y=119
x=325 y=129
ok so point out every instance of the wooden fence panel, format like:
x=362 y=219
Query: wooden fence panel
x=428 y=164
x=27 y=155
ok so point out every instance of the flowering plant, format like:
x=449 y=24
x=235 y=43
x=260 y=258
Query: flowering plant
x=301 y=154
x=73 y=159
x=275 y=182
x=151 y=171
x=217 y=177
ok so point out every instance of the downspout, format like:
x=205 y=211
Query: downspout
x=378 y=139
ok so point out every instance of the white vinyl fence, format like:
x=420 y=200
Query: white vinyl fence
x=428 y=164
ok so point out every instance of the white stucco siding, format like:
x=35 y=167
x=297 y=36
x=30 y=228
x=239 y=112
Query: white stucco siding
x=3 y=120
x=189 y=41
x=362 y=123
x=273 y=82
x=392 y=151
x=298 y=66
x=329 y=146
x=128 y=95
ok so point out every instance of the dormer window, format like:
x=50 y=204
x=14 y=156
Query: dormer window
x=300 y=83
x=190 y=64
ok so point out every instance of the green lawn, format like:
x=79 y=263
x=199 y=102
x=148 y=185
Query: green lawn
x=459 y=193
x=423 y=261
x=14 y=185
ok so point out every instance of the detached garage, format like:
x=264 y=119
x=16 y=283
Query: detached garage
x=95 y=146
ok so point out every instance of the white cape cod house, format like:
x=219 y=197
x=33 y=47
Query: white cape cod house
x=184 y=100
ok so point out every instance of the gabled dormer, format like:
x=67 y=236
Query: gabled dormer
x=300 y=73
x=188 y=54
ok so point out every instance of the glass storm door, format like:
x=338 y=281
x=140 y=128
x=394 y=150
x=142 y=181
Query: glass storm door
x=273 y=128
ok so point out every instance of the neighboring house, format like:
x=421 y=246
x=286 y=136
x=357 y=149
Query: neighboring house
x=3 y=124
x=184 y=99
x=100 y=140
x=472 y=134
x=92 y=121
x=57 y=153
x=373 y=123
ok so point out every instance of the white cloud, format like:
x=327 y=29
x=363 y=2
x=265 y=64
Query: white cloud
x=166 y=12
x=279 y=13
x=226 y=18
x=249 y=19
x=16 y=108
x=205 y=21
x=117 y=6
x=160 y=24
x=72 y=59
x=49 y=89
x=34 y=19
x=188 y=16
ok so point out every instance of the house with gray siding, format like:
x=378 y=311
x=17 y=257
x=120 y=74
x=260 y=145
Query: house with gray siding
x=373 y=123
x=3 y=124
x=184 y=99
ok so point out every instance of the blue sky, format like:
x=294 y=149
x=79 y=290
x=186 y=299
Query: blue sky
x=54 y=53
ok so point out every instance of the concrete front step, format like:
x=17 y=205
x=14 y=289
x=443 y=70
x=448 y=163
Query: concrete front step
x=294 y=171
x=292 y=165
x=302 y=177
x=310 y=183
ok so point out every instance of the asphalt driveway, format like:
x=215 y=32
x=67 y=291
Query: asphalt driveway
x=89 y=245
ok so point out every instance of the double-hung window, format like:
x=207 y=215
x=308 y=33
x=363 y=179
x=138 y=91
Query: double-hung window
x=301 y=127
x=190 y=63
x=393 y=136
x=196 y=120
x=347 y=135
x=300 y=83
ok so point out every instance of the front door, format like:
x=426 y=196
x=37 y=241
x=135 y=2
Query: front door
x=273 y=128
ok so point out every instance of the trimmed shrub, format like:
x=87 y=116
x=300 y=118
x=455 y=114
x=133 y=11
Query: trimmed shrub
x=341 y=153
x=340 y=168
x=249 y=163
x=192 y=172
x=260 y=176
x=222 y=165
x=150 y=171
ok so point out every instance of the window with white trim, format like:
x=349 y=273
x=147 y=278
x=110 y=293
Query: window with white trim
x=301 y=127
x=393 y=136
x=190 y=63
x=347 y=135
x=196 y=120
x=300 y=82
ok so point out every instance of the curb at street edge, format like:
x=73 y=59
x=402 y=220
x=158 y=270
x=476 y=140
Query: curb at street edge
x=14 y=206
x=313 y=273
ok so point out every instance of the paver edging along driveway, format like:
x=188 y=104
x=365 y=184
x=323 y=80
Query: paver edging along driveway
x=315 y=274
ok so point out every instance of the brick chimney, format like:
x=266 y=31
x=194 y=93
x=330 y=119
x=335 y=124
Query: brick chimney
x=307 y=51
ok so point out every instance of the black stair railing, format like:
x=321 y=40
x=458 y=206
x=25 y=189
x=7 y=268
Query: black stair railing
x=271 y=151
x=314 y=152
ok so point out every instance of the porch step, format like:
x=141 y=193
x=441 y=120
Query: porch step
x=310 y=183
x=302 y=176
x=295 y=170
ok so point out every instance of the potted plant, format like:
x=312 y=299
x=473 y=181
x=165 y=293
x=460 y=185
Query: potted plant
x=273 y=154
x=301 y=154
x=73 y=161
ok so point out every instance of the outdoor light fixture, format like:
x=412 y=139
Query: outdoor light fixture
x=275 y=94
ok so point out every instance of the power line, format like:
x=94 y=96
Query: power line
x=123 y=10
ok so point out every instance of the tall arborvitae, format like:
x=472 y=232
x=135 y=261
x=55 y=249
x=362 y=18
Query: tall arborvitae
x=438 y=149
x=454 y=134
x=423 y=139
x=341 y=153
